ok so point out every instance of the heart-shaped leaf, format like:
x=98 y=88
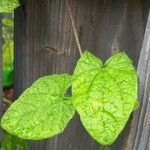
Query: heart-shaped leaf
x=104 y=95
x=42 y=111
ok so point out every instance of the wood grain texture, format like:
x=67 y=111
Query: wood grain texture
x=103 y=27
x=140 y=125
x=143 y=126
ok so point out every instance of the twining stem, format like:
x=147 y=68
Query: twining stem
x=7 y=101
x=74 y=28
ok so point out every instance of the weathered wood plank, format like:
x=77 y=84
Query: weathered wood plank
x=19 y=50
x=103 y=27
x=140 y=125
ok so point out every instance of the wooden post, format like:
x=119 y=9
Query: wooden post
x=103 y=26
x=140 y=126
x=142 y=140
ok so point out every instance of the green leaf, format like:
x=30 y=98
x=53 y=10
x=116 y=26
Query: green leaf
x=8 y=57
x=8 y=22
x=10 y=142
x=8 y=54
x=42 y=110
x=8 y=51
x=104 y=95
x=8 y=76
x=8 y=5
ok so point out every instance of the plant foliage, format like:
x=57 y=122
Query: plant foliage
x=42 y=111
x=8 y=51
x=8 y=5
x=10 y=142
x=104 y=95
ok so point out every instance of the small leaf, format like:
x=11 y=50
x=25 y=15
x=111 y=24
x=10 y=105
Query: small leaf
x=8 y=5
x=10 y=142
x=8 y=22
x=42 y=111
x=104 y=95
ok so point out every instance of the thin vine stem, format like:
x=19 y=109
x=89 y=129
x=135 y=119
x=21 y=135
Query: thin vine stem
x=74 y=28
x=7 y=101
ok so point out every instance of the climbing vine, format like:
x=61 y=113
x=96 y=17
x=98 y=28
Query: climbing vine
x=103 y=94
